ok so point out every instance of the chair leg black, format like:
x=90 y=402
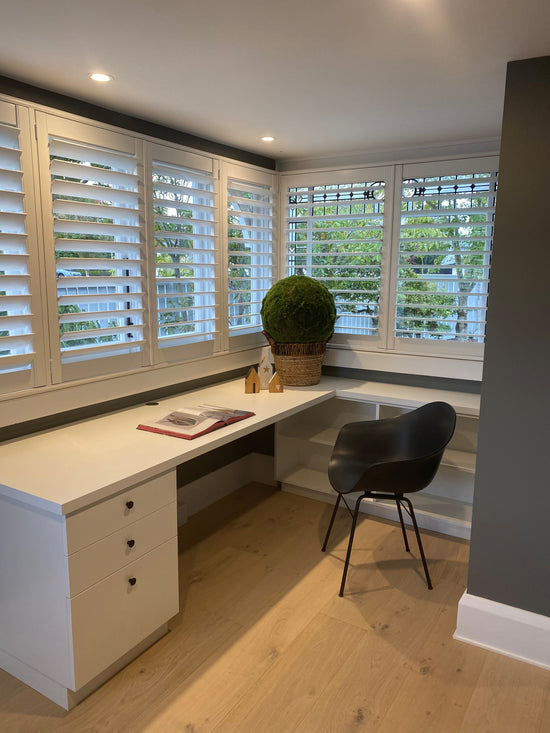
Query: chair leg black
x=424 y=563
x=350 y=543
x=324 y=547
x=398 y=502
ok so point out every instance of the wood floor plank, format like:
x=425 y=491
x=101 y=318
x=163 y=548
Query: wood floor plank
x=510 y=696
x=438 y=687
x=286 y=692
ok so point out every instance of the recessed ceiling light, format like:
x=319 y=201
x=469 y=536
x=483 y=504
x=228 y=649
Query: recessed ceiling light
x=101 y=77
x=268 y=138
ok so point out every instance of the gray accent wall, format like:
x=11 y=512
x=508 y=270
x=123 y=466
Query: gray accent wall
x=510 y=546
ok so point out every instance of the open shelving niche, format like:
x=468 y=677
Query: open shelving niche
x=304 y=444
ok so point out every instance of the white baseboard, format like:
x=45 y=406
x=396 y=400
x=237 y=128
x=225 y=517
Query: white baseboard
x=206 y=490
x=504 y=629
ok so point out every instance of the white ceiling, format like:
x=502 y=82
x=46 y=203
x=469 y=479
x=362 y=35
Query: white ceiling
x=326 y=78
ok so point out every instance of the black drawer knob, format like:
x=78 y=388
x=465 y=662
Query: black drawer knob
x=132 y=581
x=131 y=543
x=130 y=504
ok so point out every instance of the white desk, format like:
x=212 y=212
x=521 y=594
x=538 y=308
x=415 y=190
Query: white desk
x=88 y=535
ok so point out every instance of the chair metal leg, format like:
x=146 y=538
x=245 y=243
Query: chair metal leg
x=398 y=502
x=350 y=543
x=424 y=563
x=324 y=547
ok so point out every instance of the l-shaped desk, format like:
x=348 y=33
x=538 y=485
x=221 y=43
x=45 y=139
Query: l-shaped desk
x=88 y=527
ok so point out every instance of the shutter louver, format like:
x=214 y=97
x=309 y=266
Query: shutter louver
x=444 y=257
x=16 y=330
x=251 y=264
x=185 y=255
x=95 y=204
x=335 y=234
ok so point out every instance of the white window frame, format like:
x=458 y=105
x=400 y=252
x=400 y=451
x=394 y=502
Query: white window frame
x=342 y=177
x=253 y=336
x=429 y=347
x=193 y=347
x=49 y=125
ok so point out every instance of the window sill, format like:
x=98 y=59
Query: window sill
x=450 y=367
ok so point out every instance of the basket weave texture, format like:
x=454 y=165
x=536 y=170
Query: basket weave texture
x=298 y=365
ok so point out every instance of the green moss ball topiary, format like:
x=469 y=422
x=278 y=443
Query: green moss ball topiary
x=298 y=310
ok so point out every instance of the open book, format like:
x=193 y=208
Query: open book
x=190 y=422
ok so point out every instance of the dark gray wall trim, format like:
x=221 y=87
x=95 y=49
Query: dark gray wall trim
x=24 y=91
x=413 y=380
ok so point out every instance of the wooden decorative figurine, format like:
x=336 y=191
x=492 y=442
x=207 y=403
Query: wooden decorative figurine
x=275 y=384
x=265 y=372
x=252 y=381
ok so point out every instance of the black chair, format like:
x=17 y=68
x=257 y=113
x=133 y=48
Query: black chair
x=385 y=459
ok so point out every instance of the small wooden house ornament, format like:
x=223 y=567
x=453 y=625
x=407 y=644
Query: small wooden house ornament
x=275 y=384
x=265 y=372
x=252 y=381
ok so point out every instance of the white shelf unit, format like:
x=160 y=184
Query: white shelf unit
x=304 y=444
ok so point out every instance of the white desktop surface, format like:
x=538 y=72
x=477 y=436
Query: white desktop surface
x=66 y=469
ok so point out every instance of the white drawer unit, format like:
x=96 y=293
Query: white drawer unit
x=83 y=593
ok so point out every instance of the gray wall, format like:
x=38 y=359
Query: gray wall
x=510 y=547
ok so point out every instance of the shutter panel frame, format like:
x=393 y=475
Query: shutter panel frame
x=434 y=268
x=183 y=226
x=348 y=211
x=22 y=352
x=94 y=248
x=251 y=221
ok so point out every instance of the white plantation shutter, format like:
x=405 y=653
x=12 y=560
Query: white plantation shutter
x=251 y=257
x=335 y=233
x=97 y=228
x=444 y=253
x=18 y=339
x=186 y=258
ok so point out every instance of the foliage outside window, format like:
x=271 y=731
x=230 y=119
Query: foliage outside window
x=185 y=254
x=444 y=257
x=406 y=272
x=251 y=266
x=335 y=234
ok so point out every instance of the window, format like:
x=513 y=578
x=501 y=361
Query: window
x=251 y=256
x=97 y=243
x=335 y=233
x=424 y=288
x=444 y=255
x=186 y=254
x=120 y=254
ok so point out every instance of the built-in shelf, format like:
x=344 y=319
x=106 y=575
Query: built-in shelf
x=305 y=441
x=459 y=459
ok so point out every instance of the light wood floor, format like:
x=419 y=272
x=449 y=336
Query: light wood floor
x=264 y=643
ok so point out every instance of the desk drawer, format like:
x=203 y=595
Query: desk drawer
x=102 y=519
x=97 y=561
x=111 y=617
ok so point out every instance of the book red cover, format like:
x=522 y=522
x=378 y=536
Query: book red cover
x=192 y=422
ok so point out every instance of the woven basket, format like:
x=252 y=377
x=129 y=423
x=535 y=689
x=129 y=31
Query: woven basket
x=298 y=365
